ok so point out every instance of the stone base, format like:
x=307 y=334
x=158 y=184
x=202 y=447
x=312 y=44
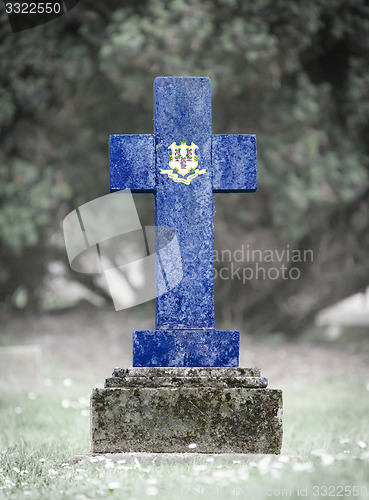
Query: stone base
x=197 y=347
x=165 y=410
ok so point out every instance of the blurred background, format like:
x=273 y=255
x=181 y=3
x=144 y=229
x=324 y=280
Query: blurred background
x=294 y=73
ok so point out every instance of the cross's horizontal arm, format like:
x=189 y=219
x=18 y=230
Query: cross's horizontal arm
x=132 y=162
x=234 y=162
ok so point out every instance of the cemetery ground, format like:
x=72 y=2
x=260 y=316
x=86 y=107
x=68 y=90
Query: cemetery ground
x=44 y=424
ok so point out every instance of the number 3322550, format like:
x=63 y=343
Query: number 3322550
x=33 y=8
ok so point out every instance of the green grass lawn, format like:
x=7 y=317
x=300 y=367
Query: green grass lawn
x=325 y=451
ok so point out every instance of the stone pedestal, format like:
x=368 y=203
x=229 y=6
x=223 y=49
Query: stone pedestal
x=177 y=348
x=220 y=410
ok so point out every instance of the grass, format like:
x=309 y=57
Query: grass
x=325 y=451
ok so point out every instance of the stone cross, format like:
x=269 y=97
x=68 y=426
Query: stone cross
x=183 y=164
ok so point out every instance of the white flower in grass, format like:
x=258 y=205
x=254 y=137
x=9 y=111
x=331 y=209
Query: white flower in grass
x=341 y=456
x=114 y=485
x=327 y=460
x=318 y=453
x=124 y=467
x=243 y=474
x=52 y=472
x=192 y=446
x=152 y=491
x=67 y=382
x=199 y=467
x=361 y=444
x=277 y=465
x=109 y=465
x=18 y=410
x=303 y=467
x=225 y=474
x=264 y=464
x=84 y=402
x=15 y=469
x=275 y=473
x=8 y=483
x=65 y=403
x=218 y=473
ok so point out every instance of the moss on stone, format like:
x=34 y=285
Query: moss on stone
x=237 y=420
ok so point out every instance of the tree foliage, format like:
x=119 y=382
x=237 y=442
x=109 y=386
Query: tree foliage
x=294 y=73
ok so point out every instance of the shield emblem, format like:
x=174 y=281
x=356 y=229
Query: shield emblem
x=183 y=163
x=183 y=159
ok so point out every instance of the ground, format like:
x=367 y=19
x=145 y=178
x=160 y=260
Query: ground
x=42 y=427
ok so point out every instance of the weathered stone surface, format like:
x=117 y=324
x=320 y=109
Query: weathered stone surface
x=188 y=377
x=255 y=382
x=197 y=371
x=182 y=112
x=186 y=348
x=217 y=420
x=128 y=155
x=234 y=162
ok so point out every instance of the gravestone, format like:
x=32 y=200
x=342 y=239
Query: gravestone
x=185 y=386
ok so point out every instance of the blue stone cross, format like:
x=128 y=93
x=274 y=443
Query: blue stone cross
x=185 y=332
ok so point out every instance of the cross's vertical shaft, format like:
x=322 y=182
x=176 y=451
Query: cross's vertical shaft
x=182 y=112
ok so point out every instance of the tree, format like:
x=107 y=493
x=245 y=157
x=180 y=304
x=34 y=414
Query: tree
x=296 y=75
